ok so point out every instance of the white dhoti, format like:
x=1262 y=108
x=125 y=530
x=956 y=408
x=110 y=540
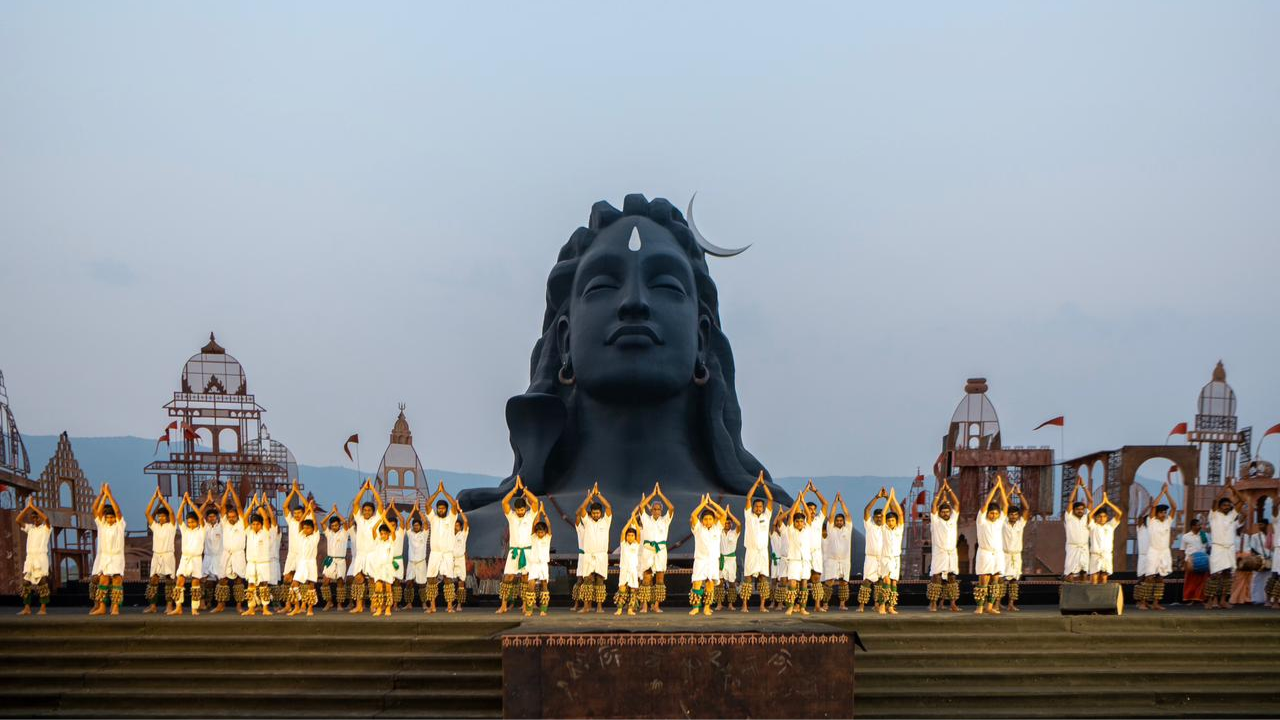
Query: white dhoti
x=596 y=563
x=755 y=562
x=459 y=567
x=1100 y=563
x=358 y=565
x=1160 y=562
x=944 y=561
x=163 y=564
x=335 y=568
x=517 y=561
x=232 y=565
x=834 y=568
x=211 y=565
x=109 y=565
x=989 y=562
x=290 y=561
x=190 y=566
x=257 y=573
x=438 y=563
x=629 y=576
x=796 y=569
x=1221 y=557
x=305 y=572
x=872 y=568
x=892 y=567
x=540 y=572
x=1013 y=565
x=729 y=567
x=705 y=569
x=417 y=572
x=1076 y=560
x=653 y=559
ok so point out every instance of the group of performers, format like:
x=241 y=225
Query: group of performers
x=794 y=557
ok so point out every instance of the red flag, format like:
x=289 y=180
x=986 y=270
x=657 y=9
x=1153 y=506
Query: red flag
x=171 y=426
x=1181 y=429
x=1275 y=430
x=1059 y=421
x=353 y=440
x=163 y=439
x=190 y=434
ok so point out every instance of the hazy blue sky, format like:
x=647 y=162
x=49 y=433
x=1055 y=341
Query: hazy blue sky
x=1079 y=201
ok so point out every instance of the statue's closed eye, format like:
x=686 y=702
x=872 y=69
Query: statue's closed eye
x=599 y=284
x=667 y=282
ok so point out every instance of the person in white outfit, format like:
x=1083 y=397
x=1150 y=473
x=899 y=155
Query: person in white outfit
x=440 y=539
x=302 y=586
x=756 y=564
x=160 y=522
x=1223 y=530
x=873 y=530
x=258 y=540
x=1018 y=516
x=818 y=514
x=334 y=570
x=380 y=565
x=989 y=560
x=628 y=596
x=362 y=525
x=944 y=561
x=729 y=534
x=416 y=540
x=655 y=516
x=108 y=562
x=1106 y=518
x=706 y=522
x=211 y=568
x=540 y=566
x=458 y=561
x=1272 y=588
x=191 y=564
x=295 y=510
x=1159 y=553
x=1075 y=526
x=231 y=578
x=837 y=551
x=35 y=566
x=520 y=507
x=797 y=557
x=891 y=557
x=593 y=520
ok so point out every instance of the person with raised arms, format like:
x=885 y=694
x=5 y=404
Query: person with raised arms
x=520 y=507
x=593 y=520
x=706 y=522
x=35 y=566
x=756 y=565
x=161 y=523
x=655 y=525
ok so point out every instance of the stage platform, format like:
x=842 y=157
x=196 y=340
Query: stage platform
x=1186 y=662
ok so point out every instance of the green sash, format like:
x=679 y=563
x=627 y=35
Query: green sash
x=518 y=554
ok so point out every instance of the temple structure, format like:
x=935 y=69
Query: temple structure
x=216 y=436
x=401 y=479
x=66 y=496
x=16 y=486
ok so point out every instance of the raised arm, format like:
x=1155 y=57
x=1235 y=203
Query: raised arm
x=657 y=490
x=506 y=499
x=693 y=516
x=29 y=508
x=294 y=492
x=535 y=506
x=608 y=509
x=1004 y=495
x=151 y=504
x=582 y=508
x=332 y=513
x=111 y=498
x=826 y=507
x=431 y=501
x=355 y=504
x=871 y=504
x=894 y=505
x=1119 y=514
x=991 y=496
x=937 y=498
x=843 y=508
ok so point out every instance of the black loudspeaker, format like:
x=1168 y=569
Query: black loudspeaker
x=1087 y=599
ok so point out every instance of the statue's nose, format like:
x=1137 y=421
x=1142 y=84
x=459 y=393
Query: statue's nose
x=635 y=301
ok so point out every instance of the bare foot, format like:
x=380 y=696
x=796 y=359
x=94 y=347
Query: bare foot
x=707 y=611
x=657 y=609
x=309 y=613
x=933 y=608
x=26 y=610
x=862 y=608
x=803 y=611
x=880 y=609
x=978 y=611
x=149 y=611
x=115 y=610
x=693 y=611
x=955 y=608
x=1158 y=606
x=893 y=610
x=993 y=610
x=619 y=612
x=790 y=611
x=42 y=610
x=99 y=610
x=266 y=612
x=249 y=613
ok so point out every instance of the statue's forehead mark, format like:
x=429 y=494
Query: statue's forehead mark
x=634 y=243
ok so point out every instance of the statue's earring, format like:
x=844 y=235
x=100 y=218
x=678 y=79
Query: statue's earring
x=566 y=375
x=701 y=374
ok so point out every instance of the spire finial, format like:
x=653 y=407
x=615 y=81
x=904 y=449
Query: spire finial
x=1219 y=373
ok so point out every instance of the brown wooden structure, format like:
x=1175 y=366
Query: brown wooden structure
x=16 y=486
x=401 y=478
x=66 y=496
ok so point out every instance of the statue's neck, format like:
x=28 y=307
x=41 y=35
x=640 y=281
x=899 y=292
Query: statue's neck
x=646 y=443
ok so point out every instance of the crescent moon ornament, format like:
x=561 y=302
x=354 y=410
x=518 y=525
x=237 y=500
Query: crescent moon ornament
x=703 y=243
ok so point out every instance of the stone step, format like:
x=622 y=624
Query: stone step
x=251 y=702
x=110 y=627
x=1152 y=675
x=268 y=647
x=296 y=678
x=1015 y=657
x=198 y=660
x=1124 y=637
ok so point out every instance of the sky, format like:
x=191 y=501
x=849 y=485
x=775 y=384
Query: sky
x=1077 y=201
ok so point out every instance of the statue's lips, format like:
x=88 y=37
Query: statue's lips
x=634 y=331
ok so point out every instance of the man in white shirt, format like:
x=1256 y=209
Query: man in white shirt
x=232 y=529
x=944 y=562
x=756 y=514
x=1075 y=525
x=334 y=567
x=521 y=508
x=813 y=542
x=416 y=570
x=440 y=522
x=1195 y=562
x=1158 y=556
x=1222 y=549
x=873 y=530
x=108 y=563
x=1013 y=529
x=655 y=514
x=837 y=548
x=364 y=520
x=1102 y=532
x=163 y=563
x=35 y=566
x=594 y=518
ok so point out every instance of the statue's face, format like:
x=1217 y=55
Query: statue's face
x=633 y=331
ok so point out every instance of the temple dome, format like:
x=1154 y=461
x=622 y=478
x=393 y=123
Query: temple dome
x=1217 y=399
x=974 y=424
x=213 y=372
